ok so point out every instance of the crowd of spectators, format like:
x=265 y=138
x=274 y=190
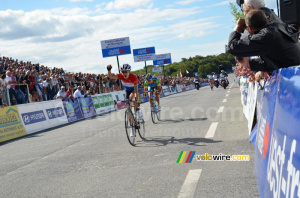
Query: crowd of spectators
x=24 y=82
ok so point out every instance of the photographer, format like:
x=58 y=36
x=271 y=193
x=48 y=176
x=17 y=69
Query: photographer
x=277 y=44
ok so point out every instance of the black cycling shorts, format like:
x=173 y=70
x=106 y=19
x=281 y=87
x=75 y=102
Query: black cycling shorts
x=128 y=93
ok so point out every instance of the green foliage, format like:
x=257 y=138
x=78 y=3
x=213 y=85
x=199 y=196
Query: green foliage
x=236 y=12
x=203 y=65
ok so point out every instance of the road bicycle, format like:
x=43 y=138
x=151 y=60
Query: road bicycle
x=155 y=112
x=133 y=123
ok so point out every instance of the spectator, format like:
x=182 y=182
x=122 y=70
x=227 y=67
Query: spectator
x=276 y=44
x=77 y=93
x=11 y=88
x=62 y=93
x=69 y=93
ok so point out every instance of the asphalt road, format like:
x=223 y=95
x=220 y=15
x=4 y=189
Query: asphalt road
x=93 y=158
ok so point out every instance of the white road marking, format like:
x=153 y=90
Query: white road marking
x=190 y=183
x=225 y=100
x=227 y=95
x=228 y=91
x=212 y=129
x=221 y=109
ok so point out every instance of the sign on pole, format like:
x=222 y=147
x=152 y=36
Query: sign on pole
x=144 y=54
x=115 y=47
x=156 y=70
x=162 y=59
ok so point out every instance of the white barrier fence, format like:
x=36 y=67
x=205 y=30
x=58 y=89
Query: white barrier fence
x=34 y=117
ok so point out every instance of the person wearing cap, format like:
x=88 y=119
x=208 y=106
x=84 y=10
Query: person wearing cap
x=62 y=93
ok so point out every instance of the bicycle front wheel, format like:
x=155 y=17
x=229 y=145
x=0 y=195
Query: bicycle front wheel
x=129 y=127
x=142 y=129
x=157 y=112
x=153 y=114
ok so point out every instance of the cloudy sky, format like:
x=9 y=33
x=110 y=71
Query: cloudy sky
x=67 y=33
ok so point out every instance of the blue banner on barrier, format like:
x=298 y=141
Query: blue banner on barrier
x=283 y=170
x=33 y=117
x=252 y=137
x=73 y=110
x=55 y=113
x=264 y=131
x=87 y=107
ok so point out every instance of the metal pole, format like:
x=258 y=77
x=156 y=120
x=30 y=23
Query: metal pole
x=8 y=96
x=119 y=71
x=146 y=67
x=118 y=64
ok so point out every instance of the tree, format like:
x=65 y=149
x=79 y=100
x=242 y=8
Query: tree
x=236 y=12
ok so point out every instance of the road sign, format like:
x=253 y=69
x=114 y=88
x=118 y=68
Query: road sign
x=162 y=59
x=115 y=47
x=144 y=54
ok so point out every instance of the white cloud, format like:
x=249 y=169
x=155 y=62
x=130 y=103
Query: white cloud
x=212 y=48
x=126 y=4
x=219 y=4
x=70 y=38
x=187 y=2
x=80 y=0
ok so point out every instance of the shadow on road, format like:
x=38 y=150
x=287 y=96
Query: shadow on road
x=182 y=120
x=163 y=141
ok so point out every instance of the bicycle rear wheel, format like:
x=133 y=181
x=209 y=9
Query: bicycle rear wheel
x=129 y=126
x=142 y=129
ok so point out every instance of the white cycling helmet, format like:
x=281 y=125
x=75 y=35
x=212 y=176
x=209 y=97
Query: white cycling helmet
x=126 y=67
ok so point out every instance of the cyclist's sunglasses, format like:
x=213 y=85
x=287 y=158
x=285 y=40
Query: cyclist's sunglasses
x=124 y=72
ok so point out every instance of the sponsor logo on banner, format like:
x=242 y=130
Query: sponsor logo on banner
x=33 y=117
x=55 y=113
x=281 y=160
x=84 y=104
x=11 y=125
x=70 y=108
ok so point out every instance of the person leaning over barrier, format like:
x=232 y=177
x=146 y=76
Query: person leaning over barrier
x=62 y=93
x=277 y=43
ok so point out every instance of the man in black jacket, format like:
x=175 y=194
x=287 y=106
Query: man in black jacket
x=277 y=43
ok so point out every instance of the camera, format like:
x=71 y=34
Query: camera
x=240 y=2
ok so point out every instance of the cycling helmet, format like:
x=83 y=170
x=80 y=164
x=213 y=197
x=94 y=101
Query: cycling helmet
x=148 y=77
x=126 y=67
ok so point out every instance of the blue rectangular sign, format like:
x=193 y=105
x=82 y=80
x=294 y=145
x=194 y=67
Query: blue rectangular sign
x=33 y=117
x=115 y=47
x=144 y=54
x=162 y=62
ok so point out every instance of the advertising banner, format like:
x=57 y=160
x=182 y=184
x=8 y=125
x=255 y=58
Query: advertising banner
x=162 y=59
x=119 y=96
x=87 y=107
x=179 y=88
x=55 y=113
x=157 y=70
x=115 y=47
x=33 y=117
x=11 y=125
x=264 y=132
x=144 y=54
x=283 y=169
x=73 y=110
x=42 y=115
x=166 y=90
x=252 y=98
x=104 y=103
